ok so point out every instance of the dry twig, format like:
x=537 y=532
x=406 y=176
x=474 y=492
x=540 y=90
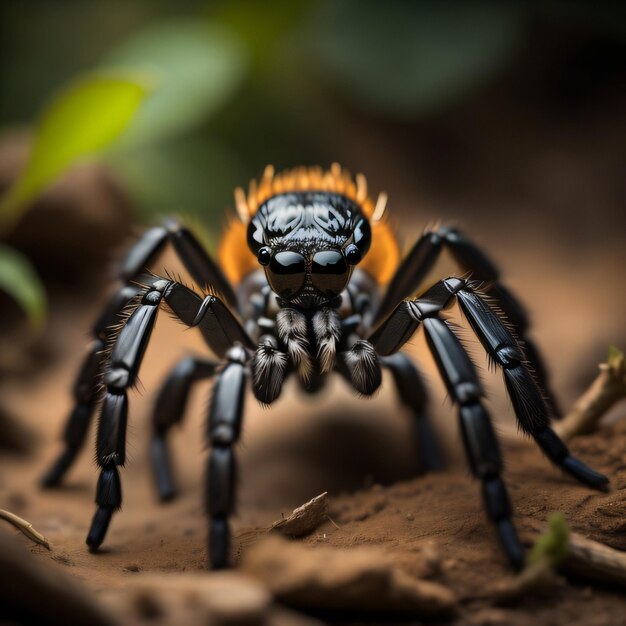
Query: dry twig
x=592 y=559
x=608 y=388
x=571 y=554
x=25 y=527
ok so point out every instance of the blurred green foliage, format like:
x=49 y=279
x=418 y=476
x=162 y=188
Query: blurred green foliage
x=197 y=68
x=20 y=281
x=615 y=357
x=551 y=547
x=412 y=58
x=240 y=83
x=81 y=121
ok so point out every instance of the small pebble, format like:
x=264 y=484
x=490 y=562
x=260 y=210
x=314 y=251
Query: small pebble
x=132 y=568
x=410 y=517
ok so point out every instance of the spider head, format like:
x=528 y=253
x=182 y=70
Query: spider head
x=308 y=244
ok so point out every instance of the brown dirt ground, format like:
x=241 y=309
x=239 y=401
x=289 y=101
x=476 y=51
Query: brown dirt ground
x=293 y=452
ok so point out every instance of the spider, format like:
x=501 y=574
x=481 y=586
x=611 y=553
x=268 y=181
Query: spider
x=310 y=282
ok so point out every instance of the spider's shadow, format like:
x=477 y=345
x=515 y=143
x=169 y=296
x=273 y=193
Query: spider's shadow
x=339 y=451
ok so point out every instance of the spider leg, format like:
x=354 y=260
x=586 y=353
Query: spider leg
x=269 y=370
x=169 y=409
x=526 y=396
x=361 y=367
x=223 y=431
x=421 y=259
x=481 y=445
x=203 y=270
x=413 y=395
x=220 y=330
x=190 y=251
x=85 y=390
x=532 y=413
x=124 y=363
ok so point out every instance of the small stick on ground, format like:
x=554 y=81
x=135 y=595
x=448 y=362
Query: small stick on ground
x=569 y=553
x=605 y=391
x=591 y=559
x=305 y=519
x=25 y=527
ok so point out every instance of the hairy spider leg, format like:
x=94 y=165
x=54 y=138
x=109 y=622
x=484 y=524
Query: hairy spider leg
x=481 y=444
x=223 y=431
x=190 y=251
x=169 y=409
x=459 y=375
x=421 y=259
x=526 y=396
x=219 y=328
x=533 y=415
x=125 y=360
x=140 y=256
x=86 y=387
x=360 y=366
x=413 y=395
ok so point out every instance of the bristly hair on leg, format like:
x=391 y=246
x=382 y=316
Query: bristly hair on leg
x=202 y=293
x=291 y=326
x=363 y=367
x=327 y=331
x=113 y=332
x=268 y=367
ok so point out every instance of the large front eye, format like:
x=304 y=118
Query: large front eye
x=330 y=272
x=286 y=273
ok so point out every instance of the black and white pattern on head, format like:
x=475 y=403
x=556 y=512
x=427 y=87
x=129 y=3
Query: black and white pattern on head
x=308 y=218
x=291 y=326
x=327 y=331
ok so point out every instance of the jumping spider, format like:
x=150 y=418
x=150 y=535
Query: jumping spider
x=309 y=282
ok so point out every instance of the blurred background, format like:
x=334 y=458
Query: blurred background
x=507 y=119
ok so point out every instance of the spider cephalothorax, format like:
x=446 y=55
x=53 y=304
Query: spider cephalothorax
x=308 y=243
x=309 y=282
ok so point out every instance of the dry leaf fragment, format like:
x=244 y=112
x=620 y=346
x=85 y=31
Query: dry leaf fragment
x=305 y=519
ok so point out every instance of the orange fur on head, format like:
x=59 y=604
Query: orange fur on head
x=236 y=258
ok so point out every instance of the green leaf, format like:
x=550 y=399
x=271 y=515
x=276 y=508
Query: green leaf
x=197 y=66
x=551 y=547
x=616 y=362
x=20 y=281
x=86 y=117
x=412 y=58
x=615 y=355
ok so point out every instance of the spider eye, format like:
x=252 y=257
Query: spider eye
x=286 y=273
x=264 y=256
x=330 y=272
x=353 y=254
